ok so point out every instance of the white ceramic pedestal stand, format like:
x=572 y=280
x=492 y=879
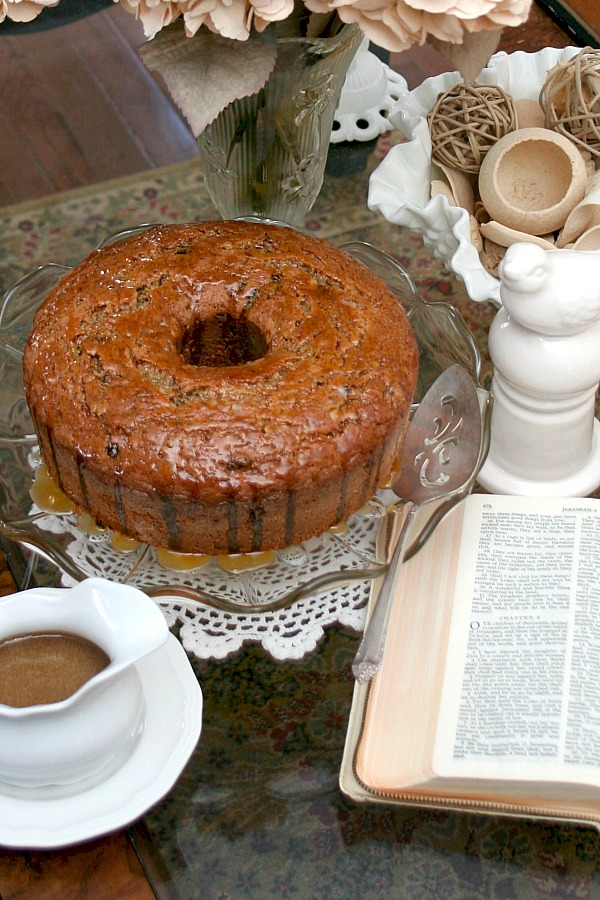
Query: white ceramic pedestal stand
x=545 y=347
x=370 y=90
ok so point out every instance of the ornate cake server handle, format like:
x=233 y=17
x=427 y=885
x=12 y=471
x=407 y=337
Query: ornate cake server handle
x=441 y=456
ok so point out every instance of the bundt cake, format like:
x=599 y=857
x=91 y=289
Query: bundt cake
x=220 y=387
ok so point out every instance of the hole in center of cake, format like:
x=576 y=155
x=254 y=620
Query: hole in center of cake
x=222 y=341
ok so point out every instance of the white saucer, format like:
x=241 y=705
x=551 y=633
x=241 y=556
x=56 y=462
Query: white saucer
x=171 y=730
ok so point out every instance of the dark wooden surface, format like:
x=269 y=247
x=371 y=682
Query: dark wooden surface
x=580 y=18
x=105 y=869
x=77 y=107
x=587 y=10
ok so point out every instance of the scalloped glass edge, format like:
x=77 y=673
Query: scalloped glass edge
x=399 y=188
x=443 y=339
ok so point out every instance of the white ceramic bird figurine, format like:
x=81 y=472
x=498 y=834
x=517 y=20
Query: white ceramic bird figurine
x=545 y=347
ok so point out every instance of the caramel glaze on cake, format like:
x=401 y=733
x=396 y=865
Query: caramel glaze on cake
x=220 y=387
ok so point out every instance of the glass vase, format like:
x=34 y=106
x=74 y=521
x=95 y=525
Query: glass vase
x=264 y=156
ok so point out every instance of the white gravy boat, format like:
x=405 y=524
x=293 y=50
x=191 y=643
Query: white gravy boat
x=68 y=745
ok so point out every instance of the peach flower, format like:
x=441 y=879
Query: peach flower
x=393 y=24
x=234 y=18
x=154 y=14
x=230 y=18
x=23 y=10
x=398 y=24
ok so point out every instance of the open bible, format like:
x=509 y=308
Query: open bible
x=488 y=698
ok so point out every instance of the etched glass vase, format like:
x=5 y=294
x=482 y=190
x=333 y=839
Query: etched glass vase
x=264 y=156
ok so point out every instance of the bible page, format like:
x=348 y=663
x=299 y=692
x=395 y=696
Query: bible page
x=521 y=696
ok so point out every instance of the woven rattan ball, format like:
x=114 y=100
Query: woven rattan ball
x=570 y=98
x=466 y=122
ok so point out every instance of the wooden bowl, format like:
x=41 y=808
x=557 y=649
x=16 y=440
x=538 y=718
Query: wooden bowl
x=531 y=179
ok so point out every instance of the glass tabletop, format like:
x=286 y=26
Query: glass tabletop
x=257 y=812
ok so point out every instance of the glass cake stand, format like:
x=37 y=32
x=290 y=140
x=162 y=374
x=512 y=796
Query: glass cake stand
x=283 y=599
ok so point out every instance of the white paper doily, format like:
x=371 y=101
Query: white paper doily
x=289 y=633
